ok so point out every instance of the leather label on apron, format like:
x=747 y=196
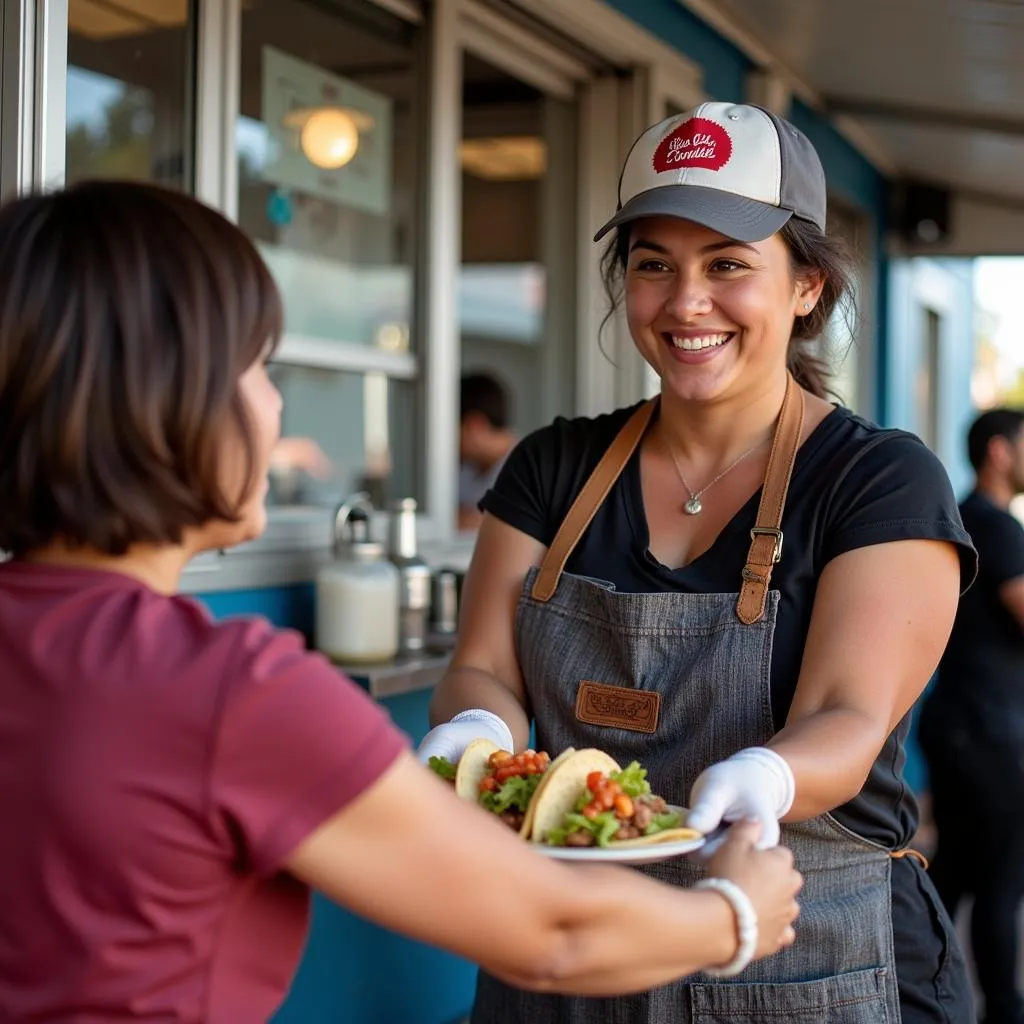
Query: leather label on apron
x=619 y=707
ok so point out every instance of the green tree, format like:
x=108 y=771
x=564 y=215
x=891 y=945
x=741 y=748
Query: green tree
x=121 y=147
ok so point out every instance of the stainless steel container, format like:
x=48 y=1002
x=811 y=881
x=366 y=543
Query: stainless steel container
x=444 y=602
x=414 y=584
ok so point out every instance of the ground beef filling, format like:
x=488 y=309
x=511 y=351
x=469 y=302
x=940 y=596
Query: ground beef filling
x=514 y=819
x=645 y=809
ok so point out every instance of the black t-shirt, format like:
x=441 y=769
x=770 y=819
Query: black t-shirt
x=981 y=678
x=854 y=484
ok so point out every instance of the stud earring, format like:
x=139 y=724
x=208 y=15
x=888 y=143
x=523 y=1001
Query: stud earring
x=807 y=305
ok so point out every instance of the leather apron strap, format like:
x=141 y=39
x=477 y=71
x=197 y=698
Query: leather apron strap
x=589 y=500
x=766 y=537
x=912 y=854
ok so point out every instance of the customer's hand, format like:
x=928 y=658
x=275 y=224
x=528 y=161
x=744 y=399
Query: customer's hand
x=451 y=739
x=754 y=784
x=769 y=880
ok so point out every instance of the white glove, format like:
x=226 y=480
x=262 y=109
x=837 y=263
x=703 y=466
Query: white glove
x=450 y=739
x=756 y=784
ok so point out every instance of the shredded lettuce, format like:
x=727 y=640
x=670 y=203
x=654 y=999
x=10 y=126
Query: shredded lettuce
x=514 y=793
x=605 y=826
x=663 y=822
x=633 y=780
x=602 y=828
x=443 y=767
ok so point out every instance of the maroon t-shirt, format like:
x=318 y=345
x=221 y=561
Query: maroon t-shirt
x=156 y=769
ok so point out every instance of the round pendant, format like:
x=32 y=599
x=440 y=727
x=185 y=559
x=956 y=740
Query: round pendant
x=693 y=506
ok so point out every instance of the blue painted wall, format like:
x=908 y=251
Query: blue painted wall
x=854 y=180
x=725 y=68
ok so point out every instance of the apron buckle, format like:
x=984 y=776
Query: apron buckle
x=769 y=531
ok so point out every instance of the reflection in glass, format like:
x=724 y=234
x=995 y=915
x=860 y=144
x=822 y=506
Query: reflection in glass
x=327 y=165
x=365 y=424
x=128 y=91
x=517 y=279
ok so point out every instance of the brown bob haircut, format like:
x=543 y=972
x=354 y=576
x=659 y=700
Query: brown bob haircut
x=128 y=313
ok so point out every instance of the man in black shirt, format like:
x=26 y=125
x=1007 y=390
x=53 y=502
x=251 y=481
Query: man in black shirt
x=972 y=723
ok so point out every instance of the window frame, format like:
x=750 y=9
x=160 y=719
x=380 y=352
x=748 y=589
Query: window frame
x=298 y=540
x=33 y=94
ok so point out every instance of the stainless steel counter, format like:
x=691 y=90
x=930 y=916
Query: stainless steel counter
x=406 y=674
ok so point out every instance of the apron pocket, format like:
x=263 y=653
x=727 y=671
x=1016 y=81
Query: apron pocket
x=858 y=997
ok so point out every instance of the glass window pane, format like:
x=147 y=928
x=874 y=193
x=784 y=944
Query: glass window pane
x=517 y=283
x=327 y=164
x=129 y=106
x=365 y=425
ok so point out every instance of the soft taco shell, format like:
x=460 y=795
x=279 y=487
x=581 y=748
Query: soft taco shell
x=565 y=781
x=472 y=768
x=558 y=793
x=670 y=835
x=531 y=810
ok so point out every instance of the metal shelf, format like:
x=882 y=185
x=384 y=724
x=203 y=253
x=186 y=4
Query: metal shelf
x=407 y=674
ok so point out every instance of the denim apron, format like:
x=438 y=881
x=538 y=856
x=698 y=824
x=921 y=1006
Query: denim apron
x=679 y=682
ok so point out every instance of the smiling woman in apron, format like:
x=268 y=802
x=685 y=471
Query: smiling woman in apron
x=739 y=584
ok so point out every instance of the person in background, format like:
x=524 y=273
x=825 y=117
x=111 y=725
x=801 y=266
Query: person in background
x=301 y=454
x=972 y=723
x=170 y=786
x=739 y=584
x=485 y=439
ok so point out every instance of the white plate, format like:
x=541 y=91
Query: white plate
x=630 y=855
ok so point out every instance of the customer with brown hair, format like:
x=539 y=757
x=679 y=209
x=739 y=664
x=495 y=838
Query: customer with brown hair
x=170 y=786
x=739 y=584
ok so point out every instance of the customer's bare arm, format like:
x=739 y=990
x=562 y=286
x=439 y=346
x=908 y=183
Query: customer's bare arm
x=484 y=671
x=412 y=857
x=881 y=619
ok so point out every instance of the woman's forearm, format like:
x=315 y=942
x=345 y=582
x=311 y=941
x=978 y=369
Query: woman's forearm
x=463 y=688
x=621 y=932
x=830 y=754
x=410 y=856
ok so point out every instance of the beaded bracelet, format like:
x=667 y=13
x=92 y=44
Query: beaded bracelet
x=746 y=925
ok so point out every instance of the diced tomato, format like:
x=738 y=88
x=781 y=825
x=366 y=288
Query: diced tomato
x=488 y=784
x=594 y=780
x=624 y=807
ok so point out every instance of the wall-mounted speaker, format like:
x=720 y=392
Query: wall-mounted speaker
x=920 y=213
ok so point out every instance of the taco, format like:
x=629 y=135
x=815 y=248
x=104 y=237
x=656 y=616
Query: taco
x=499 y=781
x=590 y=801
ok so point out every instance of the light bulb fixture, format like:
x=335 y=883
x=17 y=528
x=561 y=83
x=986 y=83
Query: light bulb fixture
x=328 y=136
x=329 y=139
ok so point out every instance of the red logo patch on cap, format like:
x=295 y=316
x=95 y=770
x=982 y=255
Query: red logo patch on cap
x=695 y=143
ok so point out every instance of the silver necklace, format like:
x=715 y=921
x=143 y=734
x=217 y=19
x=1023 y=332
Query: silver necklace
x=694 y=506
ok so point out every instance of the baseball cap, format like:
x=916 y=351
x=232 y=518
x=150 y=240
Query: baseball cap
x=732 y=167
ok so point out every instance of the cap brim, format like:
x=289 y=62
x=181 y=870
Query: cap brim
x=746 y=220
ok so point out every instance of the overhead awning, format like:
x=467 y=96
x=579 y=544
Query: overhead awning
x=933 y=88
